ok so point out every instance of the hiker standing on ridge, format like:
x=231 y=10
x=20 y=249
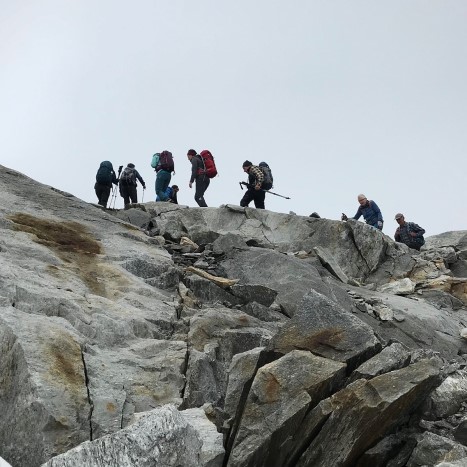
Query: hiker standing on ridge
x=128 y=184
x=255 y=182
x=409 y=233
x=198 y=176
x=370 y=211
x=104 y=178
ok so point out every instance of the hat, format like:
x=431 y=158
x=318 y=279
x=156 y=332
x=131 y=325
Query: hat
x=191 y=152
x=398 y=215
x=247 y=164
x=131 y=166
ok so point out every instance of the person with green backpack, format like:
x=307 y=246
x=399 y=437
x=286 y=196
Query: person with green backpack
x=104 y=178
x=163 y=164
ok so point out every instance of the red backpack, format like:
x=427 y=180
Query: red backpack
x=166 y=162
x=209 y=164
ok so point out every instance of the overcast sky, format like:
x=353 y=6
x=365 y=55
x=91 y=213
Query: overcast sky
x=339 y=97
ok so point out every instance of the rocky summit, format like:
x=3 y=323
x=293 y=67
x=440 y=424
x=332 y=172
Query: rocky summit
x=163 y=335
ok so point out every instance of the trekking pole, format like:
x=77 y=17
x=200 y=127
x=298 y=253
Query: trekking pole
x=142 y=199
x=266 y=191
x=114 y=189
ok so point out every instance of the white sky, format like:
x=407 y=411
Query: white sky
x=339 y=97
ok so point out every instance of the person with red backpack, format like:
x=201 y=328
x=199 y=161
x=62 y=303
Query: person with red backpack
x=203 y=169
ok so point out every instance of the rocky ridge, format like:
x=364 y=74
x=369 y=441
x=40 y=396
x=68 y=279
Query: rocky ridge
x=257 y=338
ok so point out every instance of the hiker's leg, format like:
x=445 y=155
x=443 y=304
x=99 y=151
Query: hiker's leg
x=247 y=198
x=133 y=193
x=124 y=194
x=105 y=194
x=259 y=196
x=202 y=183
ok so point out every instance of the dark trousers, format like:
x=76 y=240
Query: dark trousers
x=128 y=192
x=202 y=183
x=102 y=193
x=253 y=195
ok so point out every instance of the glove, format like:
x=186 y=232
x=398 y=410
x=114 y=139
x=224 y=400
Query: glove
x=380 y=224
x=144 y=187
x=343 y=217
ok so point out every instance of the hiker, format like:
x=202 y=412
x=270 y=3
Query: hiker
x=370 y=211
x=104 y=178
x=163 y=164
x=409 y=233
x=199 y=176
x=254 y=191
x=128 y=184
x=171 y=193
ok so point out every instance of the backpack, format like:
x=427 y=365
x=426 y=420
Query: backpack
x=104 y=175
x=268 y=179
x=128 y=176
x=418 y=240
x=209 y=165
x=155 y=160
x=166 y=162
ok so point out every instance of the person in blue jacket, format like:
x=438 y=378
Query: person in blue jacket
x=370 y=212
x=171 y=194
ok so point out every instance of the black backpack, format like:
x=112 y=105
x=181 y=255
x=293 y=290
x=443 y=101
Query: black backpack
x=128 y=176
x=104 y=175
x=268 y=179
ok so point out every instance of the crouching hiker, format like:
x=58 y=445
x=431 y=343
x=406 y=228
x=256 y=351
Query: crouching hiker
x=254 y=191
x=128 y=184
x=104 y=178
x=370 y=211
x=409 y=233
x=171 y=194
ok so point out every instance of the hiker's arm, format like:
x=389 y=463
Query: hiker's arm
x=358 y=214
x=194 y=169
x=397 y=235
x=377 y=211
x=138 y=176
x=417 y=231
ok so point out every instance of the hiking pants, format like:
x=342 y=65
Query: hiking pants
x=202 y=183
x=128 y=192
x=253 y=195
x=162 y=183
x=102 y=193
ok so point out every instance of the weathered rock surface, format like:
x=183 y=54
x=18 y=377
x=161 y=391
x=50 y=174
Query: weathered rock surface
x=271 y=325
x=154 y=439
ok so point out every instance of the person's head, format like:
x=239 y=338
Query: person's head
x=399 y=218
x=362 y=199
x=131 y=166
x=175 y=188
x=246 y=166
x=190 y=154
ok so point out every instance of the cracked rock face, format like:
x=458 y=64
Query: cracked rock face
x=169 y=335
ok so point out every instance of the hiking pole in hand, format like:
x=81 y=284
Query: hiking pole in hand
x=114 y=189
x=266 y=191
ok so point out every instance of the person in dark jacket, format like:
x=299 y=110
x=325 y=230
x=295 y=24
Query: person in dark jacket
x=370 y=212
x=255 y=180
x=104 y=178
x=409 y=233
x=128 y=184
x=199 y=177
